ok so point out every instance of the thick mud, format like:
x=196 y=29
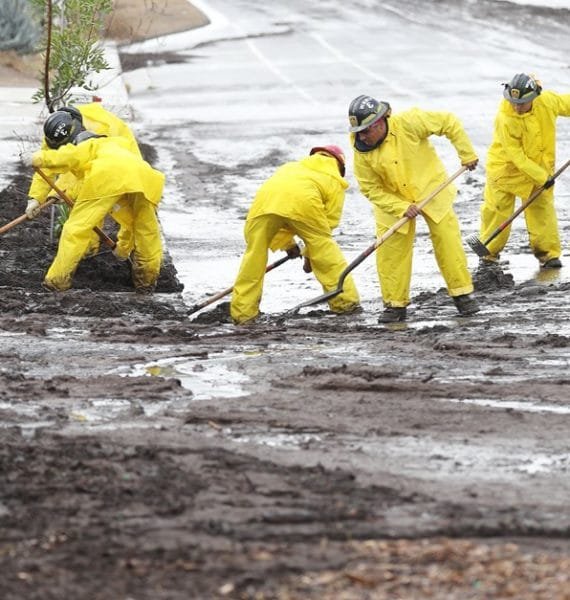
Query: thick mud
x=146 y=454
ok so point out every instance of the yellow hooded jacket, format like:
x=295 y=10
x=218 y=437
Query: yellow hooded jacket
x=100 y=121
x=405 y=168
x=106 y=167
x=310 y=190
x=522 y=154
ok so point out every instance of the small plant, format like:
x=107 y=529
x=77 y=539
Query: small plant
x=62 y=214
x=72 y=52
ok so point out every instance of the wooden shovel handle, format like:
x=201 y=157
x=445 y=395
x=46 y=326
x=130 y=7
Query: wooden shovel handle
x=102 y=235
x=24 y=217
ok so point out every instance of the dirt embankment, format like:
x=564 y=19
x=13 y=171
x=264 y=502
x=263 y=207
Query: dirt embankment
x=130 y=21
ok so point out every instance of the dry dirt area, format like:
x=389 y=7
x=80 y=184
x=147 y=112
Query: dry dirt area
x=130 y=21
x=408 y=470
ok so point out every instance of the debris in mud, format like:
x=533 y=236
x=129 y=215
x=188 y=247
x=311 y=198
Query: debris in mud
x=490 y=276
x=219 y=314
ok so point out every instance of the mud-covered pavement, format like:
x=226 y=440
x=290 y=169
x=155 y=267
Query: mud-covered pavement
x=148 y=455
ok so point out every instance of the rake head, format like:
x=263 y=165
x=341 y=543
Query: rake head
x=477 y=246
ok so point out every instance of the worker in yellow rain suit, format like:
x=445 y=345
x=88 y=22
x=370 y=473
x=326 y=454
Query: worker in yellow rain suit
x=521 y=158
x=95 y=118
x=110 y=173
x=303 y=198
x=396 y=167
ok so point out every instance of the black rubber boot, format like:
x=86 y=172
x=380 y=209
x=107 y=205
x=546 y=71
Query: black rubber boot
x=392 y=314
x=553 y=263
x=466 y=305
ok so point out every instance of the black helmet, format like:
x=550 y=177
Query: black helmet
x=365 y=111
x=60 y=128
x=522 y=88
x=74 y=112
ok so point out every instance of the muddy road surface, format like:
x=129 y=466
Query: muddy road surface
x=147 y=454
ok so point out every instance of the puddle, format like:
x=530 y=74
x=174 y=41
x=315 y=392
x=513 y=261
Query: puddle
x=513 y=405
x=205 y=379
x=61 y=333
x=104 y=410
x=428 y=458
x=273 y=439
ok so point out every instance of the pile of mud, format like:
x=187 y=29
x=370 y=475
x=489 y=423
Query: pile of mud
x=28 y=249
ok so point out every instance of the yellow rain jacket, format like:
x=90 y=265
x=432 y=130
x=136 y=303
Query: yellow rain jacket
x=102 y=122
x=520 y=159
x=109 y=173
x=522 y=154
x=310 y=190
x=404 y=169
x=305 y=198
x=98 y=120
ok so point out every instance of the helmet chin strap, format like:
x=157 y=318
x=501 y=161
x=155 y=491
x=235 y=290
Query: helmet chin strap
x=85 y=135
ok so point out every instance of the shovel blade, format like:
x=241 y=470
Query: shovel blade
x=477 y=246
x=317 y=300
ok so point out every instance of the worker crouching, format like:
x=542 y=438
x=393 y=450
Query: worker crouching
x=112 y=179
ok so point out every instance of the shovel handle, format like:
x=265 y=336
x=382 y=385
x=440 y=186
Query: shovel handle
x=370 y=250
x=390 y=232
x=102 y=235
x=229 y=290
x=25 y=217
x=523 y=206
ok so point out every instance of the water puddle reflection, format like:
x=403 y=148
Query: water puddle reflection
x=205 y=379
x=512 y=405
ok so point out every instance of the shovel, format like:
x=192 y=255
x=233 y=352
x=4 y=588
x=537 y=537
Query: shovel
x=480 y=248
x=229 y=290
x=372 y=248
x=102 y=235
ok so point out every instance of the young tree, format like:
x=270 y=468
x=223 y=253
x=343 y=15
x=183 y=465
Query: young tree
x=71 y=48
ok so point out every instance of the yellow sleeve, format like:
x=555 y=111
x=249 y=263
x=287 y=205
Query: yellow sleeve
x=282 y=240
x=67 y=158
x=512 y=145
x=446 y=124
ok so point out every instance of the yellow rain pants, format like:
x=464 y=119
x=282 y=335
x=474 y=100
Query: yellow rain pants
x=327 y=262
x=540 y=217
x=520 y=159
x=76 y=234
x=394 y=260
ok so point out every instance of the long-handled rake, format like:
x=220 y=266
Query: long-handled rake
x=480 y=248
x=379 y=241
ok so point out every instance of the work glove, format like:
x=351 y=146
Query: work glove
x=293 y=251
x=33 y=208
x=549 y=183
x=119 y=254
x=31 y=159
x=307 y=267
